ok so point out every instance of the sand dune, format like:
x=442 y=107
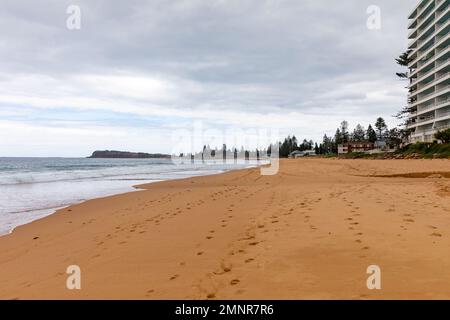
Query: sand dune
x=309 y=232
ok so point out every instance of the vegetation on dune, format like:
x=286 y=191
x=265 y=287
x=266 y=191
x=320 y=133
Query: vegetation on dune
x=419 y=150
x=427 y=150
x=444 y=136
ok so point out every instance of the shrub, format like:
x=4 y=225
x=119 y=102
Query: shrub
x=444 y=136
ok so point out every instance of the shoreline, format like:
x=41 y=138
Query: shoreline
x=225 y=236
x=132 y=188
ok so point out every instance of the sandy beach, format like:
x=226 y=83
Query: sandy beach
x=308 y=232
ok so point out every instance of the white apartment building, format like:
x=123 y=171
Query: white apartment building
x=429 y=71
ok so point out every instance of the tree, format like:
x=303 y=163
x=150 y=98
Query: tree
x=381 y=128
x=371 y=134
x=338 y=138
x=306 y=145
x=444 y=136
x=294 y=144
x=344 y=131
x=327 y=145
x=394 y=138
x=284 y=148
x=289 y=145
x=359 y=134
x=404 y=60
x=316 y=148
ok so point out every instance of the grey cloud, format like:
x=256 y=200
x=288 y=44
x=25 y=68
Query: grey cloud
x=302 y=55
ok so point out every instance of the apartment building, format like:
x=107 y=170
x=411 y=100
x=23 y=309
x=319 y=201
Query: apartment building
x=429 y=70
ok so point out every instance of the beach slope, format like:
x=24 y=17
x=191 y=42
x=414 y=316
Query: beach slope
x=311 y=231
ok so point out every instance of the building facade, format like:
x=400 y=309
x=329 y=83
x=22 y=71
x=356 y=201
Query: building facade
x=429 y=70
x=355 y=146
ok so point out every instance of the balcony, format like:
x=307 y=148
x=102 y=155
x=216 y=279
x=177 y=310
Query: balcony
x=425 y=119
x=424 y=109
x=429 y=85
x=428 y=96
x=442 y=114
x=427 y=28
x=435 y=41
x=439 y=54
x=440 y=102
x=428 y=73
x=416 y=11
x=442 y=127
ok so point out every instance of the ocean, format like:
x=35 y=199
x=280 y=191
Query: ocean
x=32 y=188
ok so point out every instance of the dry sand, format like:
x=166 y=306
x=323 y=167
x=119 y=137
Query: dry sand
x=309 y=232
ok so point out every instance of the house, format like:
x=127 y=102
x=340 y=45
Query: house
x=355 y=146
x=300 y=154
x=381 y=145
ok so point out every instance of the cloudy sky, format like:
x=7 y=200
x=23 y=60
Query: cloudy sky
x=141 y=75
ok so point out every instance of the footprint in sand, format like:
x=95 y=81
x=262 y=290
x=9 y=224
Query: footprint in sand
x=249 y=260
x=435 y=234
x=174 y=277
x=150 y=292
x=234 y=282
x=225 y=266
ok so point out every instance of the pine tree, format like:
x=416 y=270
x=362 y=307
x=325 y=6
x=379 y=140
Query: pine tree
x=344 y=132
x=359 y=133
x=338 y=138
x=381 y=128
x=371 y=134
x=404 y=60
